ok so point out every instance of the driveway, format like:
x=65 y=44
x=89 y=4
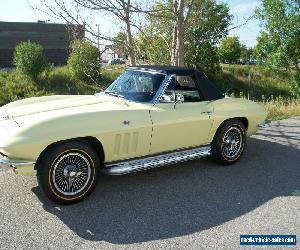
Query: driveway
x=194 y=205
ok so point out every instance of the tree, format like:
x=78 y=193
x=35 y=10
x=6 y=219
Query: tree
x=278 y=44
x=230 y=49
x=153 y=46
x=246 y=53
x=29 y=59
x=181 y=13
x=119 y=44
x=264 y=47
x=84 y=61
x=176 y=14
x=154 y=43
x=209 y=23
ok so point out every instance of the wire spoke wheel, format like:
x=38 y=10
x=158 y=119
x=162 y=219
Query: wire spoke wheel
x=71 y=174
x=232 y=142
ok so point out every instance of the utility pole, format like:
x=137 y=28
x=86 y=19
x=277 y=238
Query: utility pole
x=98 y=42
x=98 y=39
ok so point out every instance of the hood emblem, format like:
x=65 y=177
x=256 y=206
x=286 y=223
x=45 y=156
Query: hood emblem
x=126 y=122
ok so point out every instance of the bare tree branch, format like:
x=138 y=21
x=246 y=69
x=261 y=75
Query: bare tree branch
x=242 y=24
x=123 y=10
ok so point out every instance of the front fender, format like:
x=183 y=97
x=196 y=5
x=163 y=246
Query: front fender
x=38 y=131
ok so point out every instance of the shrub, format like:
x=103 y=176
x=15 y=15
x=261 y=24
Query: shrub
x=84 y=61
x=15 y=86
x=29 y=59
x=59 y=81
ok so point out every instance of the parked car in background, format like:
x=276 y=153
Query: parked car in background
x=117 y=61
x=250 y=62
x=149 y=117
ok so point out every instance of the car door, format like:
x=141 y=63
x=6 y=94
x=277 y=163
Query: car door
x=130 y=127
x=184 y=124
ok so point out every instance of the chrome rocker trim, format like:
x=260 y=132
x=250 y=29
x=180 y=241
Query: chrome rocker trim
x=18 y=166
x=136 y=165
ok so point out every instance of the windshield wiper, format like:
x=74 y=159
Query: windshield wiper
x=116 y=94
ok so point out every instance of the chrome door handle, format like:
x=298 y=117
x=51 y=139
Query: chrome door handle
x=206 y=112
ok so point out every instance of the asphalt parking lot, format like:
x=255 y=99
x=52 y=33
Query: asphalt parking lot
x=194 y=205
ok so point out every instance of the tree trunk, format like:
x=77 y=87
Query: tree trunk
x=130 y=44
x=174 y=35
x=177 y=58
x=131 y=51
x=180 y=34
x=174 y=46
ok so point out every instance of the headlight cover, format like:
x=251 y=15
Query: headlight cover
x=7 y=128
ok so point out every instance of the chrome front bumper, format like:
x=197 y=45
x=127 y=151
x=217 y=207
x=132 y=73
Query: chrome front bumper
x=18 y=166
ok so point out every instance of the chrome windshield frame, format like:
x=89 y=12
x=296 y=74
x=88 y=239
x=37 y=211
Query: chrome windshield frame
x=161 y=90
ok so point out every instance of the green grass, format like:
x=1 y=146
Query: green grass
x=274 y=89
x=53 y=81
x=264 y=84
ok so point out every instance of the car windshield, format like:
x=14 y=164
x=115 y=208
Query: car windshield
x=136 y=86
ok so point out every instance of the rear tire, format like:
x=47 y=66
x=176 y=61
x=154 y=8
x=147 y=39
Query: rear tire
x=229 y=142
x=68 y=172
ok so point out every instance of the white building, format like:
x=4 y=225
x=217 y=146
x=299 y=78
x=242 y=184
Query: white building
x=108 y=54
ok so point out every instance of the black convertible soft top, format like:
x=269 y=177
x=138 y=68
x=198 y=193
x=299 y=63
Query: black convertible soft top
x=206 y=87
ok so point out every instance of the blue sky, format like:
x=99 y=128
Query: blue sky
x=241 y=10
x=20 y=11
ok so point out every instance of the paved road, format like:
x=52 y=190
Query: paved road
x=195 y=205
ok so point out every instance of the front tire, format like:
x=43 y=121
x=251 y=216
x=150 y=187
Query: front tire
x=229 y=142
x=68 y=172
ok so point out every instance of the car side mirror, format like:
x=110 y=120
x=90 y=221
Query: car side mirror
x=165 y=99
x=179 y=98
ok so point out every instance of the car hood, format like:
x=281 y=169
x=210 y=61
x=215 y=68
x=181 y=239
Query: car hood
x=50 y=103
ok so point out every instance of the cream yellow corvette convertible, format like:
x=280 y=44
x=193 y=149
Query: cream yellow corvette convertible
x=149 y=117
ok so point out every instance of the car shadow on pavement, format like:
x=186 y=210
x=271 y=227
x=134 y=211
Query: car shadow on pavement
x=181 y=199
